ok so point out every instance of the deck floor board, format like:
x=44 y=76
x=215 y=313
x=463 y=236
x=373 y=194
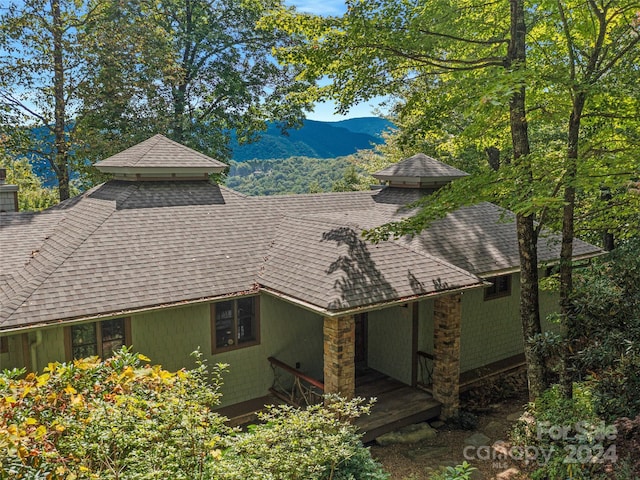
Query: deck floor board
x=397 y=405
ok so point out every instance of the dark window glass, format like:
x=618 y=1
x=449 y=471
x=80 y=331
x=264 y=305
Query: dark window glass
x=501 y=287
x=84 y=341
x=225 y=324
x=235 y=322
x=246 y=320
x=112 y=336
x=100 y=338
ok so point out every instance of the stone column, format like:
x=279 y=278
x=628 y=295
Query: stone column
x=339 y=353
x=446 y=349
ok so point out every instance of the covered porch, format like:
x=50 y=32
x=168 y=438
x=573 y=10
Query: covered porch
x=398 y=403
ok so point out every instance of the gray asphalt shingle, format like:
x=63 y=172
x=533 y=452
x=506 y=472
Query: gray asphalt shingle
x=157 y=152
x=134 y=245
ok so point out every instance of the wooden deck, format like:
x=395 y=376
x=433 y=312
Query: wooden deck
x=397 y=405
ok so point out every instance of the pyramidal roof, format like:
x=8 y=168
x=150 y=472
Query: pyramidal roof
x=159 y=158
x=419 y=170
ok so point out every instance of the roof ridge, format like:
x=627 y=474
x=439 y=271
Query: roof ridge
x=153 y=141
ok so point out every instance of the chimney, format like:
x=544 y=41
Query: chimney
x=8 y=194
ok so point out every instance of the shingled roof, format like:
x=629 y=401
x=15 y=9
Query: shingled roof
x=419 y=169
x=158 y=155
x=128 y=246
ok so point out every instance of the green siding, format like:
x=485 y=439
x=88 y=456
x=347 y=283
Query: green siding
x=287 y=332
x=45 y=345
x=13 y=357
x=425 y=329
x=491 y=330
x=389 y=332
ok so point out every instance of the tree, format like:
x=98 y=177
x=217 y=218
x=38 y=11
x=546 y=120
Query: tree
x=44 y=65
x=381 y=47
x=32 y=195
x=205 y=74
x=99 y=76
x=582 y=46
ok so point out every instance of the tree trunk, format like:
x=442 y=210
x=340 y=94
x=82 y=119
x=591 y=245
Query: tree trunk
x=566 y=251
x=608 y=239
x=527 y=237
x=61 y=160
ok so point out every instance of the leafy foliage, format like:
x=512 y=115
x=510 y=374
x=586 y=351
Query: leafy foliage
x=292 y=175
x=554 y=426
x=605 y=330
x=457 y=472
x=32 y=196
x=313 y=444
x=125 y=419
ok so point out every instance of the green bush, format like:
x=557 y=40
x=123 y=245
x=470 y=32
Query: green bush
x=459 y=472
x=564 y=438
x=605 y=331
x=127 y=420
x=313 y=444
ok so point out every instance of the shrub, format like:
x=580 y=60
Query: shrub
x=112 y=419
x=125 y=419
x=312 y=444
x=564 y=438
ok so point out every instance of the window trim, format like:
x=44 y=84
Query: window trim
x=488 y=295
x=236 y=346
x=68 y=341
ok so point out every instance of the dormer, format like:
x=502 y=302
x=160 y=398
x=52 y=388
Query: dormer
x=160 y=159
x=419 y=171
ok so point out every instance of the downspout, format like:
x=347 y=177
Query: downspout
x=34 y=350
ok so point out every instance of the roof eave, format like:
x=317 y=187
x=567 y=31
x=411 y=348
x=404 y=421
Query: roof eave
x=325 y=312
x=169 y=170
x=123 y=313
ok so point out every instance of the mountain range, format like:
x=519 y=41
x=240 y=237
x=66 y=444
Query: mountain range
x=314 y=139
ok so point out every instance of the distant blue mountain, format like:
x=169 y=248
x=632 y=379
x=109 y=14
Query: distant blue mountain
x=315 y=139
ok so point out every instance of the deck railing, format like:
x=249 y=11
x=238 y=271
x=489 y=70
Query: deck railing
x=425 y=369
x=293 y=386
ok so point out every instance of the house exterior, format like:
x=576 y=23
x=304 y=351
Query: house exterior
x=163 y=259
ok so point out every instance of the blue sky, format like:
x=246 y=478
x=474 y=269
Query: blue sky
x=325 y=111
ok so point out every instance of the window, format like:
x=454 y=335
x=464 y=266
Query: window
x=4 y=345
x=235 y=324
x=99 y=338
x=501 y=287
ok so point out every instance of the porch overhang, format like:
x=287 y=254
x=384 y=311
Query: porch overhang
x=325 y=312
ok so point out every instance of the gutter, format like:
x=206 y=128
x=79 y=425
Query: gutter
x=368 y=308
x=123 y=313
x=507 y=271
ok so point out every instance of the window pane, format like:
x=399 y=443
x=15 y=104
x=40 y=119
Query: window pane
x=84 y=342
x=224 y=324
x=83 y=351
x=246 y=320
x=112 y=336
x=83 y=334
x=112 y=329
